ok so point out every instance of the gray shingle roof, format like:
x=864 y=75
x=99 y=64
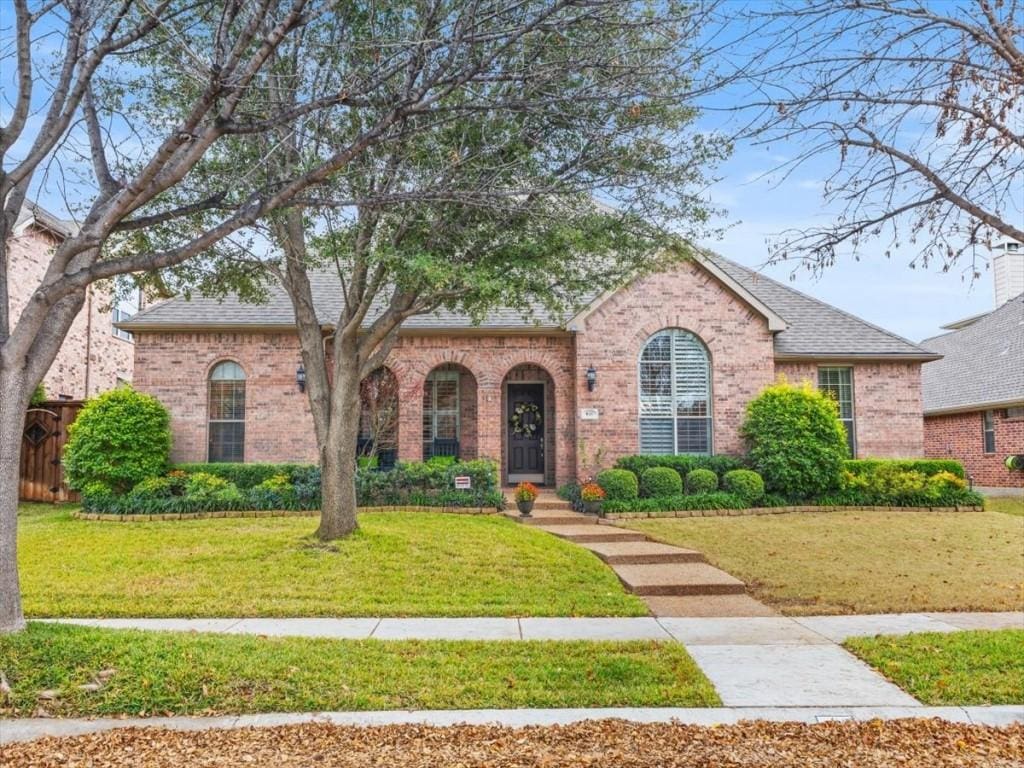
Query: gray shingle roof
x=37 y=214
x=817 y=329
x=813 y=327
x=982 y=364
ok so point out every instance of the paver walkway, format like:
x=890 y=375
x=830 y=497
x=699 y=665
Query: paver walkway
x=672 y=581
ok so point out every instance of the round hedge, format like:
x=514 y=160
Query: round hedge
x=119 y=439
x=618 y=484
x=745 y=483
x=660 y=481
x=796 y=441
x=701 y=481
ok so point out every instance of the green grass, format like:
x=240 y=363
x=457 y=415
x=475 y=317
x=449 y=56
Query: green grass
x=177 y=673
x=398 y=564
x=962 y=668
x=1008 y=505
x=863 y=562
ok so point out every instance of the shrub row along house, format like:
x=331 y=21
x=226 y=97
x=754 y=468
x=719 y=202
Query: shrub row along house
x=663 y=365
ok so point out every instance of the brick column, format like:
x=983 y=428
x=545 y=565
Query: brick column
x=489 y=425
x=410 y=419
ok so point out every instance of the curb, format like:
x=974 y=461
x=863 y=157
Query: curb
x=35 y=728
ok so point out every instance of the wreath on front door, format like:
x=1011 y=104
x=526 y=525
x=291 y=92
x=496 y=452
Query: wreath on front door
x=521 y=426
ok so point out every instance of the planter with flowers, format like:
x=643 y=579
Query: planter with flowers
x=592 y=497
x=525 y=494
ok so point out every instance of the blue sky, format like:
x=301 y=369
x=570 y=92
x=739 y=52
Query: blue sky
x=911 y=302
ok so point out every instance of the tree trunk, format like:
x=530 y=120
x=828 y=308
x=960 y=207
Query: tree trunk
x=338 y=457
x=13 y=403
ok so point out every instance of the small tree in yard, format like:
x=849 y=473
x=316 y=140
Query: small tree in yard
x=118 y=439
x=796 y=440
x=488 y=199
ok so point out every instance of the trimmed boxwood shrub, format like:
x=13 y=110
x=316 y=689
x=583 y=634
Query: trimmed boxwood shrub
x=682 y=463
x=677 y=503
x=701 y=481
x=660 y=481
x=247 y=476
x=745 y=483
x=924 y=466
x=119 y=439
x=796 y=440
x=618 y=484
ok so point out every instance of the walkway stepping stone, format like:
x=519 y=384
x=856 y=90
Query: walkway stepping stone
x=642 y=553
x=679 y=579
x=708 y=606
x=583 y=534
x=552 y=517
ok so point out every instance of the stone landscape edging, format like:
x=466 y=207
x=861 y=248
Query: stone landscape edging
x=779 y=511
x=240 y=513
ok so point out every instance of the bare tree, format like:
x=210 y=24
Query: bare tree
x=378 y=396
x=920 y=104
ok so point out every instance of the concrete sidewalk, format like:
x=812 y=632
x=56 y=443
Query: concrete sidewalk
x=25 y=730
x=752 y=662
x=775 y=630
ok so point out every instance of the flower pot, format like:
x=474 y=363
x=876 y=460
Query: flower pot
x=525 y=507
x=592 y=507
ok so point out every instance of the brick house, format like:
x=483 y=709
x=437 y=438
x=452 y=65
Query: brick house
x=665 y=364
x=96 y=355
x=974 y=395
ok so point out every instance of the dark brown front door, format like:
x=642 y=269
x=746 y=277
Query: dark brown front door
x=526 y=432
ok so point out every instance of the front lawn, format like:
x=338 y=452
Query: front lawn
x=1008 y=505
x=398 y=564
x=156 y=673
x=961 y=668
x=863 y=562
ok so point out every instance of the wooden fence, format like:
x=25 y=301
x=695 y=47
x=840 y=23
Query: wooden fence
x=42 y=440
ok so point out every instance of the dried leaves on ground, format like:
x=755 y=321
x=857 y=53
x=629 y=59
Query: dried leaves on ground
x=595 y=744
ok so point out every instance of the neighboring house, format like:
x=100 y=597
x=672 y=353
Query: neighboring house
x=666 y=364
x=974 y=395
x=95 y=356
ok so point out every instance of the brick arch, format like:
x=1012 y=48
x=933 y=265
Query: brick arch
x=704 y=334
x=414 y=372
x=543 y=360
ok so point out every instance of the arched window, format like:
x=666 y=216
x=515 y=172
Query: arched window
x=226 y=408
x=675 y=394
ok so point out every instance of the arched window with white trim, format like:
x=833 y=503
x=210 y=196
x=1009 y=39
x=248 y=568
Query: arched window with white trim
x=675 y=394
x=226 y=412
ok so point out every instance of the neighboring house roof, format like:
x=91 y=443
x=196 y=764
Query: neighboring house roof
x=982 y=364
x=805 y=327
x=33 y=213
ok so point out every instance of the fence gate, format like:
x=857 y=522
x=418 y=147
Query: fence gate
x=42 y=440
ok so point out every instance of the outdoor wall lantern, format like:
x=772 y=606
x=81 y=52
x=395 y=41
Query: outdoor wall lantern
x=591 y=378
x=300 y=377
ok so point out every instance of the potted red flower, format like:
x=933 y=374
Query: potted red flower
x=592 y=496
x=525 y=494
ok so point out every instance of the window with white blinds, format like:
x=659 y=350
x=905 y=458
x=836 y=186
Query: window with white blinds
x=441 y=406
x=675 y=394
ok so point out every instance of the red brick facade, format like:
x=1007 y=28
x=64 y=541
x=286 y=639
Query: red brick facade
x=887 y=404
x=91 y=359
x=174 y=367
x=959 y=436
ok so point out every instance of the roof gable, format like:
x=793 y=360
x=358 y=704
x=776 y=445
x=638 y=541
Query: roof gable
x=982 y=364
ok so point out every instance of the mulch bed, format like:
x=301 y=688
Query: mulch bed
x=608 y=743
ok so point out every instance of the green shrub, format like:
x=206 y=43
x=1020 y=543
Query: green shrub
x=887 y=484
x=153 y=488
x=38 y=395
x=569 y=492
x=247 y=476
x=677 y=503
x=440 y=462
x=701 y=481
x=660 y=481
x=120 y=438
x=618 y=484
x=745 y=483
x=925 y=466
x=204 y=487
x=97 y=496
x=682 y=463
x=796 y=440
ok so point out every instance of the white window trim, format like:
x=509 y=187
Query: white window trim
x=432 y=378
x=852 y=428
x=710 y=418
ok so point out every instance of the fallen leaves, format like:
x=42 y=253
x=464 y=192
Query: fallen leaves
x=595 y=744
